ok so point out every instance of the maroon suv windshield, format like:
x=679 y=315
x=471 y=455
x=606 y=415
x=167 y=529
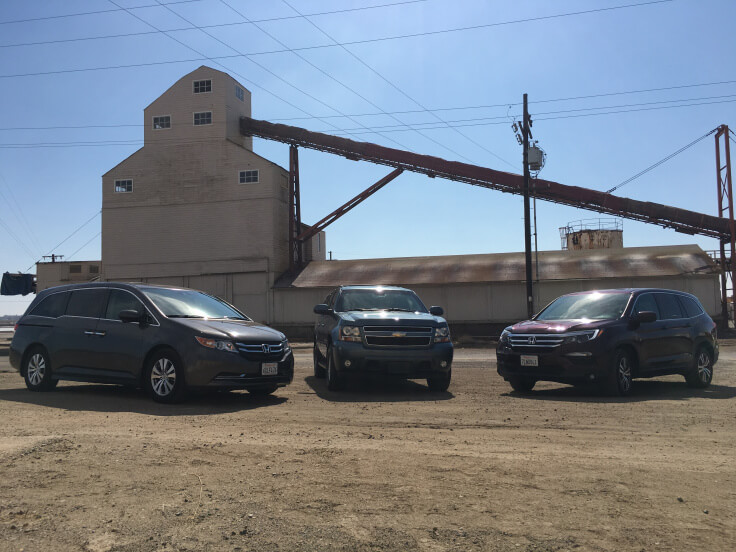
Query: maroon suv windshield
x=586 y=306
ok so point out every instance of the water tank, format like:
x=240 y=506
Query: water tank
x=593 y=234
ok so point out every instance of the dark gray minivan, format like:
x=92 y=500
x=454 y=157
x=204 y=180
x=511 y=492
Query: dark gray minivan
x=165 y=339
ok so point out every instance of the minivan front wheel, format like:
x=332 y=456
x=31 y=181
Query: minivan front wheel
x=702 y=372
x=37 y=371
x=164 y=379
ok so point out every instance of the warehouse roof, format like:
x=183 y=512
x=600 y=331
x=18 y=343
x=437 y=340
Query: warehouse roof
x=675 y=260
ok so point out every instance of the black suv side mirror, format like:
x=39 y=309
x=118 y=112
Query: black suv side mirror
x=322 y=309
x=130 y=315
x=644 y=317
x=436 y=311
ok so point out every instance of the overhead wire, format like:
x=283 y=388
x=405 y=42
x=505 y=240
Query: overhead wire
x=348 y=43
x=661 y=161
x=62 y=242
x=85 y=244
x=16 y=209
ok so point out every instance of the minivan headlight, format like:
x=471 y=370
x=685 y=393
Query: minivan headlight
x=442 y=334
x=210 y=343
x=350 y=333
x=581 y=337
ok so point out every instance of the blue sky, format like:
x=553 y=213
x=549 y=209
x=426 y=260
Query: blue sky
x=401 y=63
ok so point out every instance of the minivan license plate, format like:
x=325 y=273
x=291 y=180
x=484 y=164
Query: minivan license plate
x=269 y=369
x=529 y=360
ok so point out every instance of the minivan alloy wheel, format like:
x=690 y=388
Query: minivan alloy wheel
x=163 y=377
x=36 y=369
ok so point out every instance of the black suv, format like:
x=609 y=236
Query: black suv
x=381 y=329
x=164 y=339
x=610 y=337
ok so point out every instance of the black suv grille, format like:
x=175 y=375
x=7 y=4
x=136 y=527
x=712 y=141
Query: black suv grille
x=261 y=351
x=398 y=336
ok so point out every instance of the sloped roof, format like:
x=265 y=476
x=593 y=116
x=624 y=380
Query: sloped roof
x=628 y=262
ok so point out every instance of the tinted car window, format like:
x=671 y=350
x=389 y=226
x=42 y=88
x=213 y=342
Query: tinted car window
x=592 y=306
x=52 y=306
x=669 y=307
x=374 y=299
x=119 y=301
x=646 y=303
x=691 y=306
x=86 y=302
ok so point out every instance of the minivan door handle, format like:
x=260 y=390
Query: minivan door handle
x=101 y=334
x=89 y=332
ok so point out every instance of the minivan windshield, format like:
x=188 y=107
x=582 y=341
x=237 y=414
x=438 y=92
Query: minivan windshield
x=379 y=299
x=188 y=303
x=586 y=306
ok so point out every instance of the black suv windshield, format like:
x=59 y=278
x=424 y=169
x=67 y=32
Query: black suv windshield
x=379 y=299
x=588 y=306
x=187 y=303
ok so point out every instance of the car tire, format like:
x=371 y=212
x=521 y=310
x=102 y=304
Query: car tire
x=334 y=378
x=37 y=371
x=263 y=391
x=621 y=378
x=319 y=371
x=521 y=384
x=702 y=372
x=439 y=382
x=164 y=377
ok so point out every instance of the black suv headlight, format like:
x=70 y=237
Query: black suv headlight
x=581 y=337
x=350 y=333
x=442 y=334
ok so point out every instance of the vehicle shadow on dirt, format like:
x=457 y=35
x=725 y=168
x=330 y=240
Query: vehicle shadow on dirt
x=111 y=398
x=376 y=390
x=649 y=390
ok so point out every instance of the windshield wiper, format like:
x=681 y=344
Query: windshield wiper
x=185 y=316
x=231 y=318
x=364 y=309
x=402 y=310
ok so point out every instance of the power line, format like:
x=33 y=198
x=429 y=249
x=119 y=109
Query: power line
x=85 y=245
x=215 y=26
x=661 y=161
x=323 y=46
x=89 y=13
x=62 y=242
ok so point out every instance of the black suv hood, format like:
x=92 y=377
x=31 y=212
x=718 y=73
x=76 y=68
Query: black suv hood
x=390 y=318
x=245 y=331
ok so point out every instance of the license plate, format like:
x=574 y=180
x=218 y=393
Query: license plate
x=269 y=369
x=529 y=360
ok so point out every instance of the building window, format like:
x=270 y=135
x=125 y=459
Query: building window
x=202 y=86
x=203 y=118
x=164 y=121
x=75 y=269
x=248 y=176
x=123 y=186
x=94 y=269
x=239 y=93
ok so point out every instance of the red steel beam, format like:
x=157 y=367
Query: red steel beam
x=340 y=211
x=682 y=220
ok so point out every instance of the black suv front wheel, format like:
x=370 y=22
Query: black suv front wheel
x=334 y=379
x=440 y=382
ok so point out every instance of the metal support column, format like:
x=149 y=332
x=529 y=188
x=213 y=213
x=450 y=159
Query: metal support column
x=295 y=216
x=725 y=210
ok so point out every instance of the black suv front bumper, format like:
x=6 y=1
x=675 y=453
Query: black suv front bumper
x=406 y=362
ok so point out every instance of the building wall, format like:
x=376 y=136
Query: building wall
x=60 y=273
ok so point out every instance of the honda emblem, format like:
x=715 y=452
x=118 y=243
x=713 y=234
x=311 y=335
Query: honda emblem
x=532 y=340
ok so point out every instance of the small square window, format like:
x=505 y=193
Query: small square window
x=123 y=186
x=94 y=269
x=239 y=93
x=202 y=86
x=203 y=118
x=164 y=121
x=75 y=269
x=247 y=177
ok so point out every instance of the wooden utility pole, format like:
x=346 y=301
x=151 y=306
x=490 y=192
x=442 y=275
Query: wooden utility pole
x=526 y=132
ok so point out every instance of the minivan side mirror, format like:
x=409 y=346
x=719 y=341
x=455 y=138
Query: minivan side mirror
x=129 y=315
x=436 y=311
x=644 y=317
x=322 y=309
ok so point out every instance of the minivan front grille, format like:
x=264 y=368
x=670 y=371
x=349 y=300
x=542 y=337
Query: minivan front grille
x=261 y=351
x=398 y=336
x=535 y=341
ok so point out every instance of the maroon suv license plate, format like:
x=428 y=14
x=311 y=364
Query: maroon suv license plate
x=529 y=360
x=269 y=369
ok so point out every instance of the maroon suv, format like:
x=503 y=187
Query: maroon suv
x=610 y=337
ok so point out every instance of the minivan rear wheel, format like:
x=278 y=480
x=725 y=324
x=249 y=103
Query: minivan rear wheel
x=164 y=379
x=37 y=371
x=702 y=372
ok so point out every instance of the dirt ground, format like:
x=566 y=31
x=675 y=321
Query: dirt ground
x=377 y=467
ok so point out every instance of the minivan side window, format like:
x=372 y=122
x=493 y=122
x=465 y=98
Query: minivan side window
x=120 y=300
x=669 y=307
x=87 y=302
x=646 y=302
x=691 y=306
x=52 y=306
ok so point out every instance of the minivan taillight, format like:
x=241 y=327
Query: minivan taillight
x=15 y=328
